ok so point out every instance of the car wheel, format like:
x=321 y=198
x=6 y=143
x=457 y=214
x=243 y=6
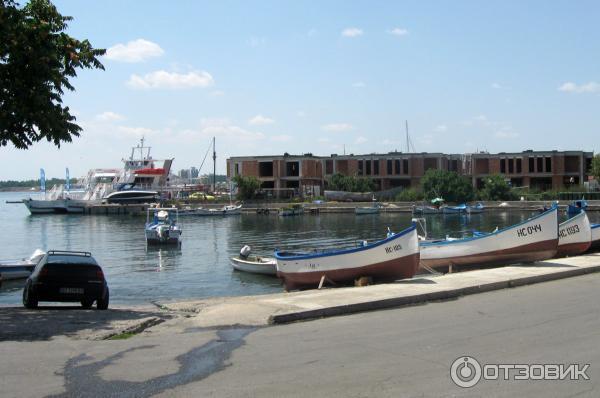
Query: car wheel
x=29 y=299
x=87 y=303
x=102 y=302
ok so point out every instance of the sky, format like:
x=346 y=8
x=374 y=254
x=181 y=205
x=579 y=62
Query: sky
x=268 y=77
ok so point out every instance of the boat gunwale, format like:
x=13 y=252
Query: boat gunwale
x=471 y=238
x=305 y=256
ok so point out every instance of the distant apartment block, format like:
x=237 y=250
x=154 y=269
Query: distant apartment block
x=309 y=174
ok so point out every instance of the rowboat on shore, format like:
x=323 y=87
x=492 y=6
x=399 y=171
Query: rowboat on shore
x=373 y=209
x=425 y=210
x=574 y=236
x=246 y=262
x=478 y=208
x=460 y=209
x=534 y=239
x=396 y=257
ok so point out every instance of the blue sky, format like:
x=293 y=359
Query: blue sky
x=270 y=77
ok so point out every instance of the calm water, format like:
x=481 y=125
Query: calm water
x=200 y=268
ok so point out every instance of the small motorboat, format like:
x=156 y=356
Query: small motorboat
x=576 y=207
x=294 y=210
x=227 y=210
x=395 y=257
x=20 y=269
x=373 y=209
x=534 y=239
x=254 y=264
x=163 y=228
x=477 y=209
x=574 y=236
x=425 y=210
x=460 y=209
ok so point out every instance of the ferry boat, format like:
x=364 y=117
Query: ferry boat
x=139 y=181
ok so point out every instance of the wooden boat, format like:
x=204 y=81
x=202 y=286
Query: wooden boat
x=227 y=210
x=20 y=269
x=460 y=209
x=532 y=240
x=425 y=210
x=576 y=207
x=395 y=257
x=255 y=265
x=163 y=228
x=374 y=209
x=294 y=210
x=574 y=236
x=595 y=237
x=478 y=208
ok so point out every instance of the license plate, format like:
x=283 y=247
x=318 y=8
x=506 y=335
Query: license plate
x=71 y=290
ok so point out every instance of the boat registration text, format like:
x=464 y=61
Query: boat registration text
x=529 y=230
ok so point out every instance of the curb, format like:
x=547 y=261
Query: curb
x=426 y=297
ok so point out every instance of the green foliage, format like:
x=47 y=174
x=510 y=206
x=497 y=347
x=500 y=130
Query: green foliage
x=340 y=182
x=448 y=185
x=595 y=169
x=247 y=186
x=496 y=188
x=37 y=58
x=30 y=183
x=409 y=195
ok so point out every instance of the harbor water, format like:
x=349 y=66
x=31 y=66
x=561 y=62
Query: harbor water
x=200 y=268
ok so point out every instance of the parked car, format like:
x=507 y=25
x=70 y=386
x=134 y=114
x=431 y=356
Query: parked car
x=67 y=276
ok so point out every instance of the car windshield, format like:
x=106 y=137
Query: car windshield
x=70 y=259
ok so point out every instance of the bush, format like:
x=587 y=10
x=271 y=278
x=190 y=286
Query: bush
x=448 y=185
x=247 y=187
x=340 y=182
x=496 y=188
x=409 y=195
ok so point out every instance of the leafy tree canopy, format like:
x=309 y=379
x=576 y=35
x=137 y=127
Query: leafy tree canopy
x=446 y=184
x=495 y=187
x=340 y=182
x=247 y=186
x=37 y=58
x=595 y=169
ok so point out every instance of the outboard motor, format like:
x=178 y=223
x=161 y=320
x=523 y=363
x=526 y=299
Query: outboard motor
x=245 y=252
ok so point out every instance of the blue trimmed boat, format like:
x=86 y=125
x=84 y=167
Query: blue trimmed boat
x=460 y=209
x=576 y=207
x=396 y=257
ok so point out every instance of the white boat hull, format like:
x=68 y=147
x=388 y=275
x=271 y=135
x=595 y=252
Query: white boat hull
x=595 y=237
x=532 y=240
x=255 y=265
x=396 y=257
x=36 y=206
x=574 y=235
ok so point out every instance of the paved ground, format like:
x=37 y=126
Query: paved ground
x=400 y=352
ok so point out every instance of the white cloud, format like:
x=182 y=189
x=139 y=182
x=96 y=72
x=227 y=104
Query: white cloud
x=260 y=120
x=496 y=86
x=171 y=80
x=337 y=127
x=135 y=131
x=281 y=138
x=398 y=32
x=225 y=129
x=256 y=41
x=506 y=134
x=570 y=87
x=427 y=139
x=312 y=32
x=134 y=51
x=109 y=117
x=359 y=84
x=441 y=128
x=217 y=93
x=352 y=32
x=300 y=113
x=324 y=140
x=360 y=140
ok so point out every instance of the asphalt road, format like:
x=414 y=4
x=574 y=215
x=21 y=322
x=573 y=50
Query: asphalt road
x=395 y=353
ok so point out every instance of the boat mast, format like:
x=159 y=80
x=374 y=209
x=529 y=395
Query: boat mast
x=214 y=166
